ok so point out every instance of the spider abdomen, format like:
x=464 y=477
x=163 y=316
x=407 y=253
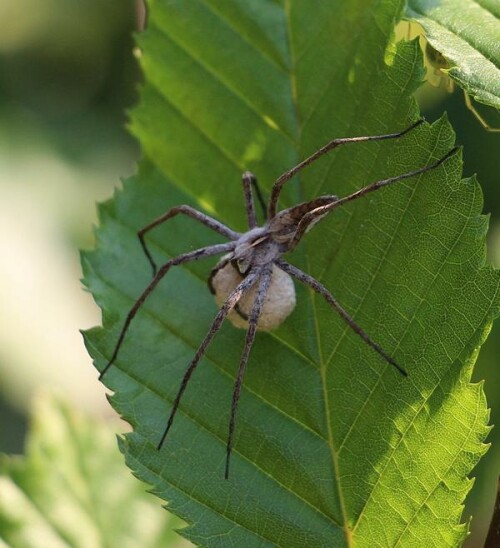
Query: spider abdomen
x=278 y=304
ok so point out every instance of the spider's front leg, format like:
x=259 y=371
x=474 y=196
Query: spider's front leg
x=249 y=180
x=318 y=213
x=285 y=177
x=208 y=221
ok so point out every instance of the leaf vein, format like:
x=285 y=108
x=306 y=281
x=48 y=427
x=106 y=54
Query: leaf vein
x=224 y=82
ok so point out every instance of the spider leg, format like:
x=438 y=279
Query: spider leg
x=228 y=305
x=180 y=259
x=260 y=198
x=323 y=291
x=282 y=179
x=477 y=114
x=248 y=179
x=252 y=328
x=321 y=211
x=219 y=266
x=190 y=212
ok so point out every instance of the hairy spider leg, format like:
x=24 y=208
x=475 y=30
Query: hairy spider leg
x=249 y=179
x=224 y=310
x=260 y=197
x=282 y=179
x=323 y=291
x=479 y=117
x=180 y=259
x=190 y=212
x=321 y=211
x=253 y=320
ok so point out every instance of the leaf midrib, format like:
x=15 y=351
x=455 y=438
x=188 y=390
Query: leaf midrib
x=229 y=24
x=324 y=387
x=329 y=427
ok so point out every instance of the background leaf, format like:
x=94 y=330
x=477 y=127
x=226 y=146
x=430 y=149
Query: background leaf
x=333 y=447
x=71 y=489
x=467 y=33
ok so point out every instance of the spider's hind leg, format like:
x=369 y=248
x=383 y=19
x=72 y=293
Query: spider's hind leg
x=228 y=305
x=253 y=320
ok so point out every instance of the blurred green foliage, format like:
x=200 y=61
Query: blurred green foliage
x=67 y=76
x=71 y=489
x=67 y=72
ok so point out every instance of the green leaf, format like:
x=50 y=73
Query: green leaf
x=72 y=489
x=333 y=447
x=467 y=34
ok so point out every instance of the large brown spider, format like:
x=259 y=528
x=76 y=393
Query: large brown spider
x=253 y=255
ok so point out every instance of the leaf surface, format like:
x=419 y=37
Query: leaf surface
x=467 y=33
x=333 y=447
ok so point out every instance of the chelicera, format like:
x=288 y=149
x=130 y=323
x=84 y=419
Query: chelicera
x=255 y=260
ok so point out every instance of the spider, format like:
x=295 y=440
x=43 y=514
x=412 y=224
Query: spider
x=256 y=260
x=437 y=74
x=438 y=67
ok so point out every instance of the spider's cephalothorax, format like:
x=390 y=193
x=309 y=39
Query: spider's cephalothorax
x=257 y=247
x=252 y=279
